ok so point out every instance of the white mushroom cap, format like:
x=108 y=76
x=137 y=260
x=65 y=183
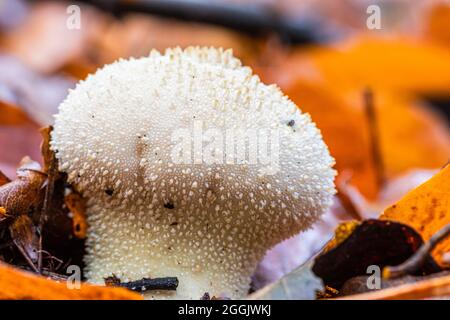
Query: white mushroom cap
x=206 y=223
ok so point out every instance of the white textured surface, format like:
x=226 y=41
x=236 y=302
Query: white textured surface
x=113 y=132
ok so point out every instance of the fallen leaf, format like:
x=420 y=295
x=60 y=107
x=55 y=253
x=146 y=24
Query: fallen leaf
x=341 y=118
x=342 y=232
x=436 y=287
x=414 y=67
x=426 y=209
x=371 y=243
x=355 y=156
x=24 y=235
x=437 y=24
x=24 y=195
x=18 y=285
x=359 y=285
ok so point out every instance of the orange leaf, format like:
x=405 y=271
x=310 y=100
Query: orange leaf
x=343 y=128
x=426 y=209
x=438 y=24
x=16 y=284
x=398 y=64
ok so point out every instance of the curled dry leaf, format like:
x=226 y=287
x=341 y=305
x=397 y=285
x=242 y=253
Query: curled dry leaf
x=370 y=244
x=16 y=284
x=24 y=195
x=426 y=209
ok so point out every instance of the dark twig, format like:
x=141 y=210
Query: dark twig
x=51 y=177
x=26 y=257
x=145 y=284
x=374 y=135
x=413 y=264
x=251 y=19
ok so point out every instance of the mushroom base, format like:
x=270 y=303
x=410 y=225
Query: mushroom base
x=132 y=249
x=193 y=281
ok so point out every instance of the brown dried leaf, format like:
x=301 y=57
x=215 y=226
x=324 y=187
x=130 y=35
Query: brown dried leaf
x=24 y=235
x=24 y=195
x=371 y=243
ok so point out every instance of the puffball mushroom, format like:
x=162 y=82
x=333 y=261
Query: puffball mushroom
x=206 y=222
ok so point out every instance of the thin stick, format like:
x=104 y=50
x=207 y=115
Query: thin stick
x=145 y=284
x=45 y=208
x=413 y=264
x=374 y=135
x=27 y=258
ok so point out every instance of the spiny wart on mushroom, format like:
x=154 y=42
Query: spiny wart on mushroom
x=221 y=218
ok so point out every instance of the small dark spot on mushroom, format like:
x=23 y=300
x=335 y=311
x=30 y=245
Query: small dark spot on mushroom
x=174 y=223
x=77 y=228
x=291 y=123
x=169 y=248
x=169 y=205
x=109 y=192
